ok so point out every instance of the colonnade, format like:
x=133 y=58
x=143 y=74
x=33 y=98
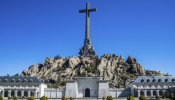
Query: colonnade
x=19 y=93
x=150 y=93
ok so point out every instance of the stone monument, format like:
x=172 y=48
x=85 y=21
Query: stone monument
x=87 y=49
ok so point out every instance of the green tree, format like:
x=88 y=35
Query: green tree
x=173 y=98
x=1 y=98
x=64 y=98
x=142 y=98
x=31 y=98
x=9 y=98
x=130 y=98
x=104 y=98
x=71 y=98
x=15 y=98
x=43 y=98
x=16 y=75
x=109 y=98
x=157 y=97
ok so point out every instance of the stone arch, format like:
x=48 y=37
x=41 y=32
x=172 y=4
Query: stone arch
x=12 y=93
x=142 y=80
x=87 y=92
x=160 y=92
x=148 y=93
x=154 y=80
x=142 y=93
x=6 y=93
x=166 y=80
x=32 y=93
x=154 y=93
x=159 y=80
x=148 y=80
x=19 y=93
x=25 y=94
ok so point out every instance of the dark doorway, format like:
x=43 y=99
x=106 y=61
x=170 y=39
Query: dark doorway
x=6 y=94
x=25 y=94
x=87 y=92
x=13 y=94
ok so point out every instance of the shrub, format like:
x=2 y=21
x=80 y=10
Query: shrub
x=9 y=98
x=64 y=98
x=104 y=98
x=130 y=98
x=15 y=98
x=31 y=98
x=109 y=98
x=157 y=97
x=43 y=98
x=1 y=98
x=142 y=98
x=173 y=98
x=163 y=96
x=63 y=83
x=71 y=98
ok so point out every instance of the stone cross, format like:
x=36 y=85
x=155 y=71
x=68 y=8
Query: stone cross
x=87 y=28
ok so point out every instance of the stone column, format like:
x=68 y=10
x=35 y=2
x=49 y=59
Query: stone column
x=163 y=91
x=22 y=93
x=138 y=93
x=132 y=91
x=9 y=93
x=157 y=92
x=29 y=93
x=151 y=93
x=2 y=93
x=16 y=93
x=35 y=94
x=145 y=93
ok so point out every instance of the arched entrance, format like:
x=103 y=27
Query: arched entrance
x=25 y=94
x=19 y=93
x=154 y=93
x=148 y=93
x=13 y=94
x=142 y=93
x=87 y=92
x=6 y=94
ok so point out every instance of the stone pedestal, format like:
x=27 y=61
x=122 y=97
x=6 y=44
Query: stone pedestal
x=71 y=89
x=103 y=89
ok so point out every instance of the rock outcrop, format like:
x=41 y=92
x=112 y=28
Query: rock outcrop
x=55 y=71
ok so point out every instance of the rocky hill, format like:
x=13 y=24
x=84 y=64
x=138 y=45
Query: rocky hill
x=56 y=71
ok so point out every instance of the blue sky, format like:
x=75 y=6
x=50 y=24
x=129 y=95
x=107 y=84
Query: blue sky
x=31 y=30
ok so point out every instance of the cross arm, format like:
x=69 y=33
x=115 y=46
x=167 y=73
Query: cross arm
x=89 y=10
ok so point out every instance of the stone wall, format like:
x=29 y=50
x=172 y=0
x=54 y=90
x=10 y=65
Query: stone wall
x=54 y=93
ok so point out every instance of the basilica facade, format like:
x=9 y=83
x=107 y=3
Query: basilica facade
x=82 y=87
